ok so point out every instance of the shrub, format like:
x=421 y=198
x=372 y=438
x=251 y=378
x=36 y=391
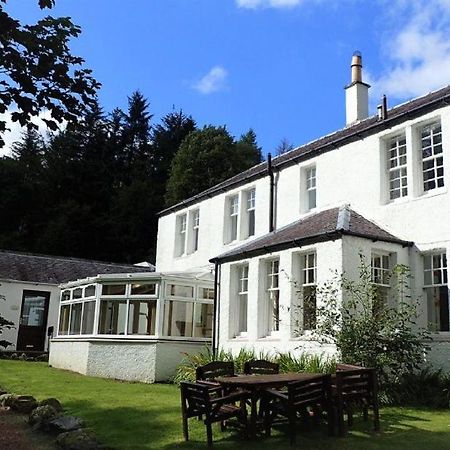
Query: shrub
x=4 y=325
x=367 y=330
x=288 y=362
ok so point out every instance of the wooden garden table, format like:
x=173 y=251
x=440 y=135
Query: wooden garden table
x=257 y=383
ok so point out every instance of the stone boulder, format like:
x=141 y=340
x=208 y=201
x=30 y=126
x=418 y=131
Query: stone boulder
x=63 y=424
x=78 y=440
x=24 y=404
x=52 y=402
x=6 y=400
x=41 y=416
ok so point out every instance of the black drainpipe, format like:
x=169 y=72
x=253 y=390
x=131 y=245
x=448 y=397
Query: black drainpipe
x=215 y=336
x=272 y=189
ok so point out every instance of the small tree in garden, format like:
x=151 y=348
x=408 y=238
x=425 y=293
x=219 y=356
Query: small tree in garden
x=369 y=328
x=4 y=325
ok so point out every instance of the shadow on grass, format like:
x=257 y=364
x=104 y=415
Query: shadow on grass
x=130 y=428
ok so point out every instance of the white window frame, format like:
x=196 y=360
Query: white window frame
x=429 y=288
x=311 y=186
x=307 y=281
x=251 y=210
x=195 y=228
x=397 y=170
x=232 y=218
x=435 y=156
x=272 y=294
x=381 y=272
x=242 y=271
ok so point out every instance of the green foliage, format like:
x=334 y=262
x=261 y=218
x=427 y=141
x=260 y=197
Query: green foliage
x=426 y=387
x=40 y=73
x=4 y=325
x=366 y=329
x=207 y=157
x=288 y=362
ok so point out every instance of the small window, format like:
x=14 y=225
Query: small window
x=89 y=291
x=143 y=289
x=273 y=295
x=251 y=206
x=195 y=229
x=397 y=169
x=75 y=318
x=311 y=187
x=64 y=316
x=436 y=290
x=65 y=296
x=176 y=290
x=142 y=317
x=207 y=293
x=113 y=289
x=242 y=299
x=380 y=269
x=234 y=215
x=432 y=156
x=77 y=293
x=112 y=317
x=88 y=318
x=308 y=290
x=181 y=234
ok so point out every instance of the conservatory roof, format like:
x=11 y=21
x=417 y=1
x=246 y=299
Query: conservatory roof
x=323 y=226
x=199 y=275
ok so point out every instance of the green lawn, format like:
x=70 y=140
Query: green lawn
x=135 y=416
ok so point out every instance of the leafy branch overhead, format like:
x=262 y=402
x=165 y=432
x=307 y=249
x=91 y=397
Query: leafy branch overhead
x=39 y=73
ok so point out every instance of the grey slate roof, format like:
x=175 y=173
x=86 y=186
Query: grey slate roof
x=323 y=226
x=414 y=108
x=56 y=270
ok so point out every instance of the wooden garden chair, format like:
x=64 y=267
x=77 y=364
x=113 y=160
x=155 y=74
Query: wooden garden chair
x=260 y=367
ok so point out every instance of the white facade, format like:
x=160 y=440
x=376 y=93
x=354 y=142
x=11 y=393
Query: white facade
x=392 y=177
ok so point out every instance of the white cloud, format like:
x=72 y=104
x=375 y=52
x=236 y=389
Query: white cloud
x=253 y=4
x=417 y=53
x=15 y=130
x=213 y=81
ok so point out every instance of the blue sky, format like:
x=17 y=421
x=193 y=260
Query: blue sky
x=278 y=66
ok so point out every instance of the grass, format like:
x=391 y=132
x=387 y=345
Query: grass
x=141 y=416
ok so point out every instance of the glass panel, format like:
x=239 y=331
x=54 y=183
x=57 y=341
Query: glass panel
x=207 y=293
x=112 y=317
x=33 y=310
x=113 y=289
x=274 y=310
x=75 y=318
x=89 y=291
x=65 y=295
x=251 y=222
x=438 y=308
x=143 y=289
x=203 y=320
x=309 y=308
x=312 y=198
x=64 y=320
x=178 y=317
x=142 y=317
x=77 y=293
x=87 y=326
x=176 y=290
x=242 y=312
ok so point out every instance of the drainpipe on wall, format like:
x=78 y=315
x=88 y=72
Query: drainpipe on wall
x=216 y=316
x=272 y=190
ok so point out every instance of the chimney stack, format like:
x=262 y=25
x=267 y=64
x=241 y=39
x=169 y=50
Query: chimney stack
x=356 y=93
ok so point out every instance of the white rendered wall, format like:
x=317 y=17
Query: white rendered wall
x=145 y=361
x=10 y=309
x=329 y=259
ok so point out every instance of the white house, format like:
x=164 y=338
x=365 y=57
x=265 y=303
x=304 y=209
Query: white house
x=378 y=187
x=30 y=293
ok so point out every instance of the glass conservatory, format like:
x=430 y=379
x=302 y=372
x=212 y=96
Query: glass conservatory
x=159 y=315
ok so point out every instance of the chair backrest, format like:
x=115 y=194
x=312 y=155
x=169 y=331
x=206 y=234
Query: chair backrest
x=356 y=384
x=195 y=398
x=340 y=367
x=261 y=367
x=215 y=369
x=310 y=392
